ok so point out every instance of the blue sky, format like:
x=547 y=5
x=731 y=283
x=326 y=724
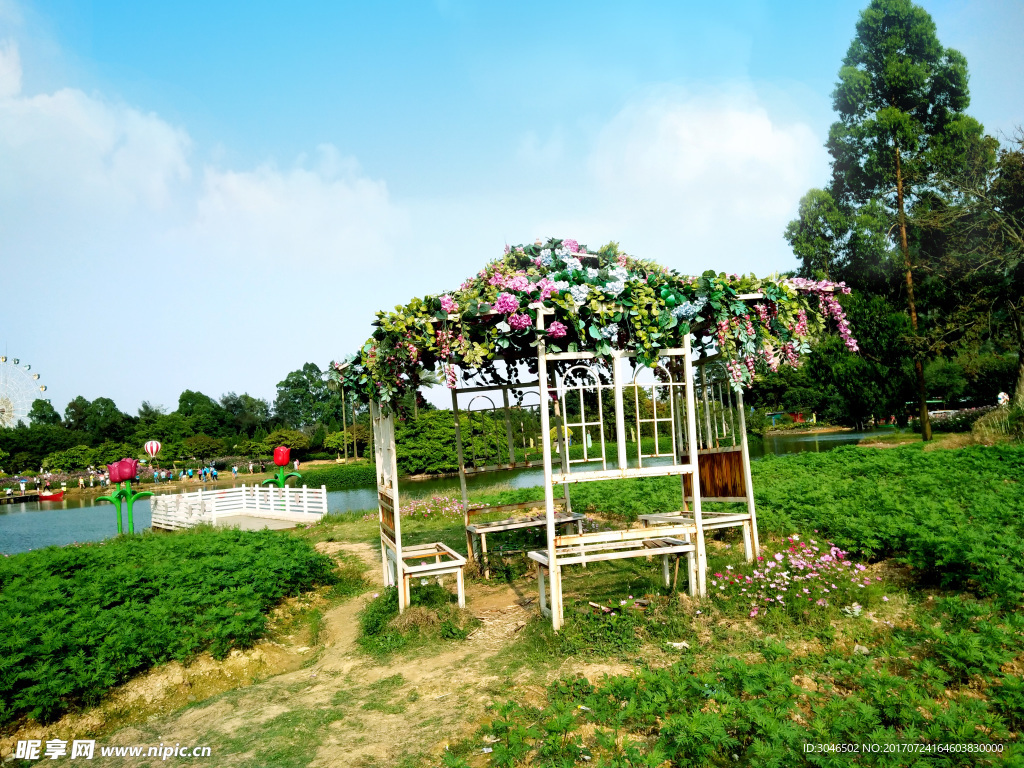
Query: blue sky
x=262 y=178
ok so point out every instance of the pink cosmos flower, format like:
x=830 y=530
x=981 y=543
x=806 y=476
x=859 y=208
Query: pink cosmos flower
x=557 y=330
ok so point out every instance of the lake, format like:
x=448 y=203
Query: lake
x=32 y=525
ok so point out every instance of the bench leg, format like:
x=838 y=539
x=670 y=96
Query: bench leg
x=691 y=573
x=483 y=556
x=556 y=596
x=748 y=549
x=386 y=562
x=540 y=585
x=583 y=552
x=665 y=573
x=460 y=584
x=407 y=589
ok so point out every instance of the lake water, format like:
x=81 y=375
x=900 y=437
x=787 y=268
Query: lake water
x=35 y=524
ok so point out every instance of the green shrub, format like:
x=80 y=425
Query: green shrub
x=340 y=477
x=76 y=621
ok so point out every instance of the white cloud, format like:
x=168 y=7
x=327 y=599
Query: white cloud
x=10 y=70
x=325 y=214
x=714 y=176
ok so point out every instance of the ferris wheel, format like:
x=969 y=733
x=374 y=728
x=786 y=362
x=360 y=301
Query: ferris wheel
x=19 y=387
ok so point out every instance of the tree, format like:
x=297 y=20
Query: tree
x=202 y=446
x=817 y=236
x=303 y=398
x=43 y=413
x=290 y=438
x=246 y=413
x=103 y=420
x=75 y=413
x=982 y=275
x=900 y=98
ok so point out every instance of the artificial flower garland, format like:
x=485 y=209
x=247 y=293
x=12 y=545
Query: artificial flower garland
x=600 y=301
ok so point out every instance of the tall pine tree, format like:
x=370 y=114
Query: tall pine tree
x=900 y=98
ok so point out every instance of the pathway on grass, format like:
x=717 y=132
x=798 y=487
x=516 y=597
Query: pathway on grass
x=344 y=708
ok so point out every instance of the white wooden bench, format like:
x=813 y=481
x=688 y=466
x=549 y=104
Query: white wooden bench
x=667 y=541
x=444 y=561
x=477 y=532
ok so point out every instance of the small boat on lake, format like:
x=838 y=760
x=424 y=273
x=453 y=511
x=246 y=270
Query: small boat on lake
x=58 y=496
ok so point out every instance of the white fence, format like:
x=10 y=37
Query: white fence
x=184 y=510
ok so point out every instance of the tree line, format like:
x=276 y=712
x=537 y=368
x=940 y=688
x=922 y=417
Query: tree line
x=923 y=218
x=307 y=415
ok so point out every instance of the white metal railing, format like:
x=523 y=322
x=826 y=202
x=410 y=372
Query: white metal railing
x=184 y=510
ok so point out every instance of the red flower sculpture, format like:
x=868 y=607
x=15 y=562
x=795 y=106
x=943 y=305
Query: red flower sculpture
x=125 y=469
x=282 y=455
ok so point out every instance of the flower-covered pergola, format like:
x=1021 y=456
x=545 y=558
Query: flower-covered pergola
x=600 y=301
x=564 y=322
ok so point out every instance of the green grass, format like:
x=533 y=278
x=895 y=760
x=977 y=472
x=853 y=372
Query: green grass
x=431 y=618
x=76 y=621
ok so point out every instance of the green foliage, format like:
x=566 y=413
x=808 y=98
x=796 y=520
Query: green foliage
x=291 y=438
x=959 y=421
x=430 y=616
x=603 y=301
x=761 y=708
x=340 y=477
x=76 y=621
x=202 y=446
x=43 y=413
x=950 y=515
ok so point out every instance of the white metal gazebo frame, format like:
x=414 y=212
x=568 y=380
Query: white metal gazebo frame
x=701 y=416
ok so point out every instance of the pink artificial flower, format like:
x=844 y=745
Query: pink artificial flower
x=506 y=304
x=557 y=330
x=520 y=321
x=448 y=304
x=571 y=245
x=518 y=283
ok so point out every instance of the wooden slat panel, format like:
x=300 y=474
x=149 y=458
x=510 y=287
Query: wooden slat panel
x=721 y=475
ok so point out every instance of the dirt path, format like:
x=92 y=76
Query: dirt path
x=342 y=708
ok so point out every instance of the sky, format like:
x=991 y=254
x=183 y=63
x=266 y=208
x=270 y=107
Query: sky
x=207 y=195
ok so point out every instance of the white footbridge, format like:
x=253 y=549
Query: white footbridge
x=246 y=507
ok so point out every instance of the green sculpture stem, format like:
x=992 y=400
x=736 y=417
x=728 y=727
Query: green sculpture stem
x=124 y=493
x=281 y=478
x=131 y=498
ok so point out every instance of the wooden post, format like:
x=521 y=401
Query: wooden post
x=287 y=500
x=462 y=474
x=323 y=499
x=344 y=424
x=620 y=417
x=747 y=481
x=691 y=425
x=508 y=428
x=305 y=499
x=549 y=496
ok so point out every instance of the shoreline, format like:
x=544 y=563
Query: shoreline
x=812 y=430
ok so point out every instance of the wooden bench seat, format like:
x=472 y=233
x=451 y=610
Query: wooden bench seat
x=666 y=541
x=478 y=532
x=426 y=561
